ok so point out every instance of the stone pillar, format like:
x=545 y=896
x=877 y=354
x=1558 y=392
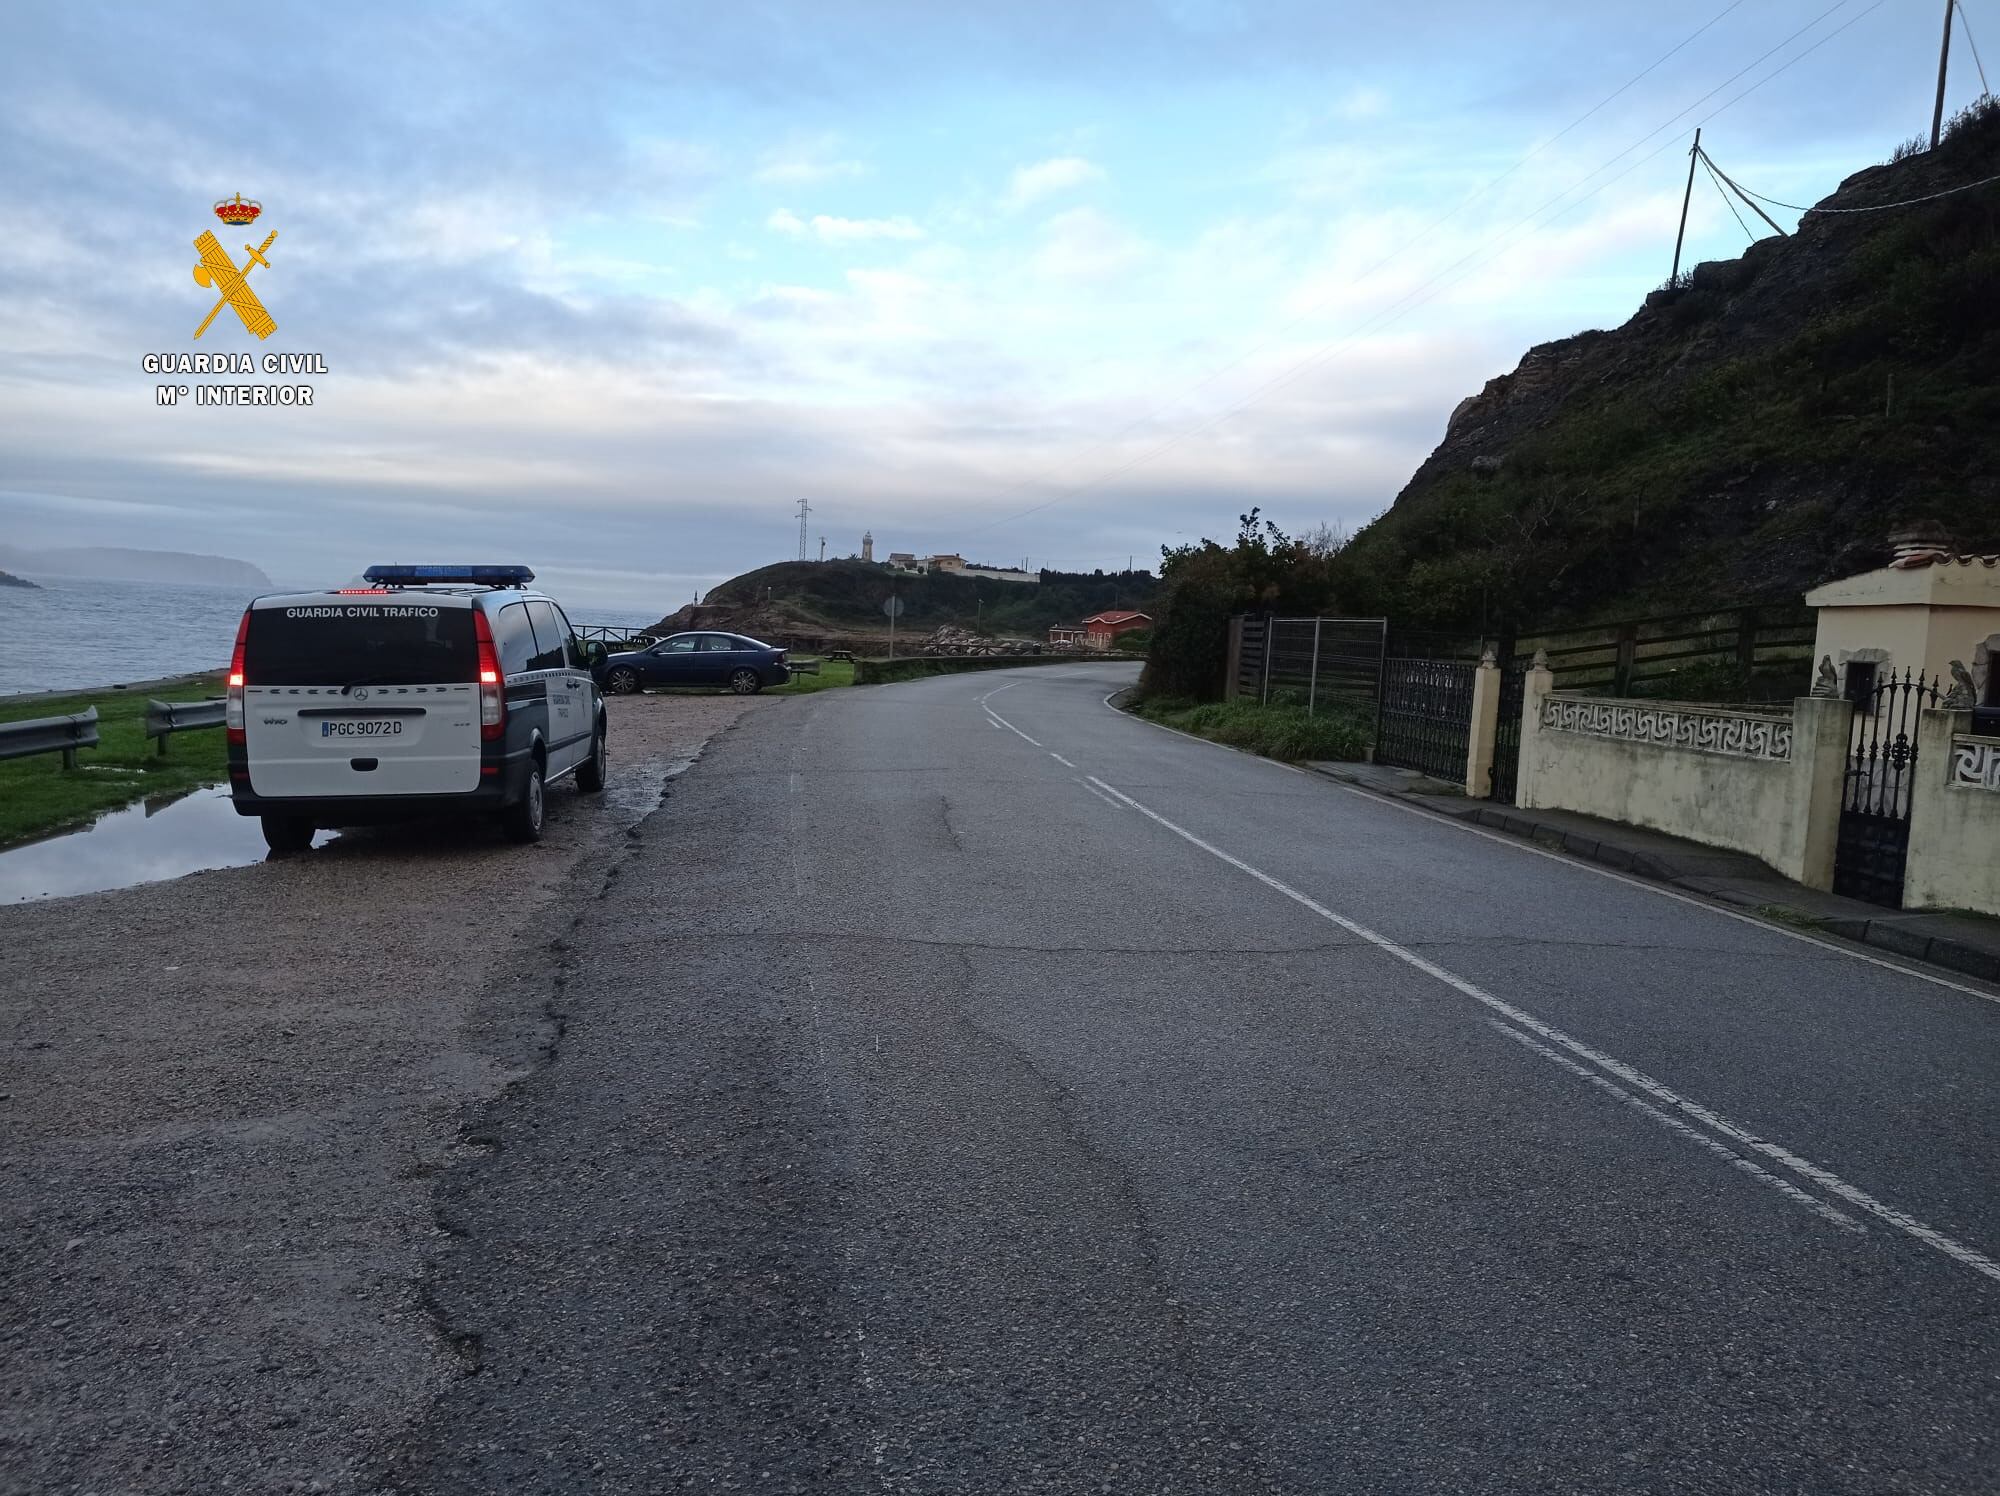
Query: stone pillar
x=1233 y=660
x=1535 y=686
x=1820 y=734
x=1929 y=879
x=1485 y=724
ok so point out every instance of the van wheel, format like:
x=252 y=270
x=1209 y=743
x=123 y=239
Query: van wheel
x=287 y=834
x=745 y=683
x=623 y=681
x=522 y=821
x=590 y=773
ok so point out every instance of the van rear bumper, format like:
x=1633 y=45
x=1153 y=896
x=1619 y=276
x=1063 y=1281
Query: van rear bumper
x=497 y=790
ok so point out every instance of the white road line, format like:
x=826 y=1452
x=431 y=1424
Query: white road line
x=1756 y=1171
x=1009 y=726
x=1100 y=794
x=1060 y=759
x=1826 y=1179
x=1519 y=844
x=1569 y=860
x=998 y=689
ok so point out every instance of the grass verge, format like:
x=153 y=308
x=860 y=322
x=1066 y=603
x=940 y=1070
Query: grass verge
x=913 y=667
x=1281 y=732
x=832 y=673
x=37 y=795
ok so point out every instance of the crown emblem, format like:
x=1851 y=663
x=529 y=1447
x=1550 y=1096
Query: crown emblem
x=237 y=211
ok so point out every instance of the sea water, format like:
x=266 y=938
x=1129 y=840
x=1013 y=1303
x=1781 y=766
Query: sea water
x=77 y=634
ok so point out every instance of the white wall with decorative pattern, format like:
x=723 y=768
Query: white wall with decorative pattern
x=1762 y=781
x=1954 y=818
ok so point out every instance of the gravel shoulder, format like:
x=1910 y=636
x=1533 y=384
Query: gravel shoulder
x=226 y=1100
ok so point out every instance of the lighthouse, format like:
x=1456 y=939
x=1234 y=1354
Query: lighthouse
x=867 y=545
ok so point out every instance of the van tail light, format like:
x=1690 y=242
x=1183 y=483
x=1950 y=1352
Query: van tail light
x=492 y=685
x=232 y=709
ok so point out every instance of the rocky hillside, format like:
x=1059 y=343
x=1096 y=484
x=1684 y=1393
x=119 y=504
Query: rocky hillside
x=827 y=603
x=1756 y=428
x=118 y=563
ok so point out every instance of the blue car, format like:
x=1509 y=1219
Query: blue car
x=705 y=659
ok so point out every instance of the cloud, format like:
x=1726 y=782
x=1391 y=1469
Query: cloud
x=1083 y=244
x=831 y=230
x=1058 y=174
x=807 y=162
x=1363 y=103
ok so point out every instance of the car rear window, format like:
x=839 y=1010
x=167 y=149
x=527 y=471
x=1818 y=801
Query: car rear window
x=353 y=643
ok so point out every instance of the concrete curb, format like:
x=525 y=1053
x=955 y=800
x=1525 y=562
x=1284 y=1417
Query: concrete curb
x=1887 y=932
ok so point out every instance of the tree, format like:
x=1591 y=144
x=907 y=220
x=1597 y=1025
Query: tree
x=1201 y=586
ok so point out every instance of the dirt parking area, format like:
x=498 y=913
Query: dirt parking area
x=224 y=1100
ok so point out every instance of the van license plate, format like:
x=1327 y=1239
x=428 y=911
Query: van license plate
x=360 y=727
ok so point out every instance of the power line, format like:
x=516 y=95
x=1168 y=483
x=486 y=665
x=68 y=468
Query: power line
x=1414 y=299
x=1908 y=202
x=1966 y=23
x=1724 y=193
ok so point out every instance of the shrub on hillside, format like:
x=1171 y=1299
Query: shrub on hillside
x=1203 y=586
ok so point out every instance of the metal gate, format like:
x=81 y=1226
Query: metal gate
x=1874 y=840
x=1425 y=718
x=1252 y=661
x=1507 y=731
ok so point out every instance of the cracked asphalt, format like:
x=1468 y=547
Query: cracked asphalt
x=963 y=1087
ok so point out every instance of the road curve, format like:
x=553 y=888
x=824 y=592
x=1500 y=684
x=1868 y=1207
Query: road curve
x=968 y=1088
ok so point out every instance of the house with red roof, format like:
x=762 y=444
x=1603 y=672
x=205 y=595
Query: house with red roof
x=1101 y=630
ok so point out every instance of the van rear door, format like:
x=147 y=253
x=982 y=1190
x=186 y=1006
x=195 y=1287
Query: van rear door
x=360 y=697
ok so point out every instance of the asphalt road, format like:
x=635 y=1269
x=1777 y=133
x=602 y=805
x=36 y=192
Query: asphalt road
x=967 y=1088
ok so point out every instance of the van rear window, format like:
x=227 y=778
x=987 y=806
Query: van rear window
x=351 y=643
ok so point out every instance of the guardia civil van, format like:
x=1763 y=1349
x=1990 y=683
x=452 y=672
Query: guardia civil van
x=430 y=689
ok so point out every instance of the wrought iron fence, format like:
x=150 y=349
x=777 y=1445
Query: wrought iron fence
x=1506 y=768
x=1873 y=844
x=1425 y=718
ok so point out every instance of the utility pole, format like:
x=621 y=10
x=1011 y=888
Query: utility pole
x=1694 y=158
x=1747 y=200
x=805 y=509
x=1944 y=60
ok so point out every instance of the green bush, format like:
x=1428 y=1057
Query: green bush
x=1277 y=731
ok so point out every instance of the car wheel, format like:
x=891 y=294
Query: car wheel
x=286 y=834
x=623 y=681
x=590 y=773
x=522 y=821
x=745 y=683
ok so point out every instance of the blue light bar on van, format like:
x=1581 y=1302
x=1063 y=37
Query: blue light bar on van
x=477 y=576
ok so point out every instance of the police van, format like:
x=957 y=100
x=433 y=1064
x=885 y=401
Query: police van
x=430 y=689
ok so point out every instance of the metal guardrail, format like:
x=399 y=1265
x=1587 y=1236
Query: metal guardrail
x=62 y=735
x=615 y=636
x=167 y=717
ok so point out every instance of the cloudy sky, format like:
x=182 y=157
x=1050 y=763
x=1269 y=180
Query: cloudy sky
x=610 y=288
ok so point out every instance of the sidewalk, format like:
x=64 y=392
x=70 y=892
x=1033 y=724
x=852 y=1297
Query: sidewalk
x=1967 y=943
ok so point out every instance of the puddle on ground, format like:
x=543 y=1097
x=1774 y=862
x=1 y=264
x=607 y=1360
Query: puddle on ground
x=167 y=836
x=633 y=797
x=160 y=837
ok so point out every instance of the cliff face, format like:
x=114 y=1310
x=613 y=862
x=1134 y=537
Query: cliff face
x=1751 y=431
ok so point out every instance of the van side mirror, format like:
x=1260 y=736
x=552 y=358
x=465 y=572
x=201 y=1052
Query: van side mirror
x=592 y=653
